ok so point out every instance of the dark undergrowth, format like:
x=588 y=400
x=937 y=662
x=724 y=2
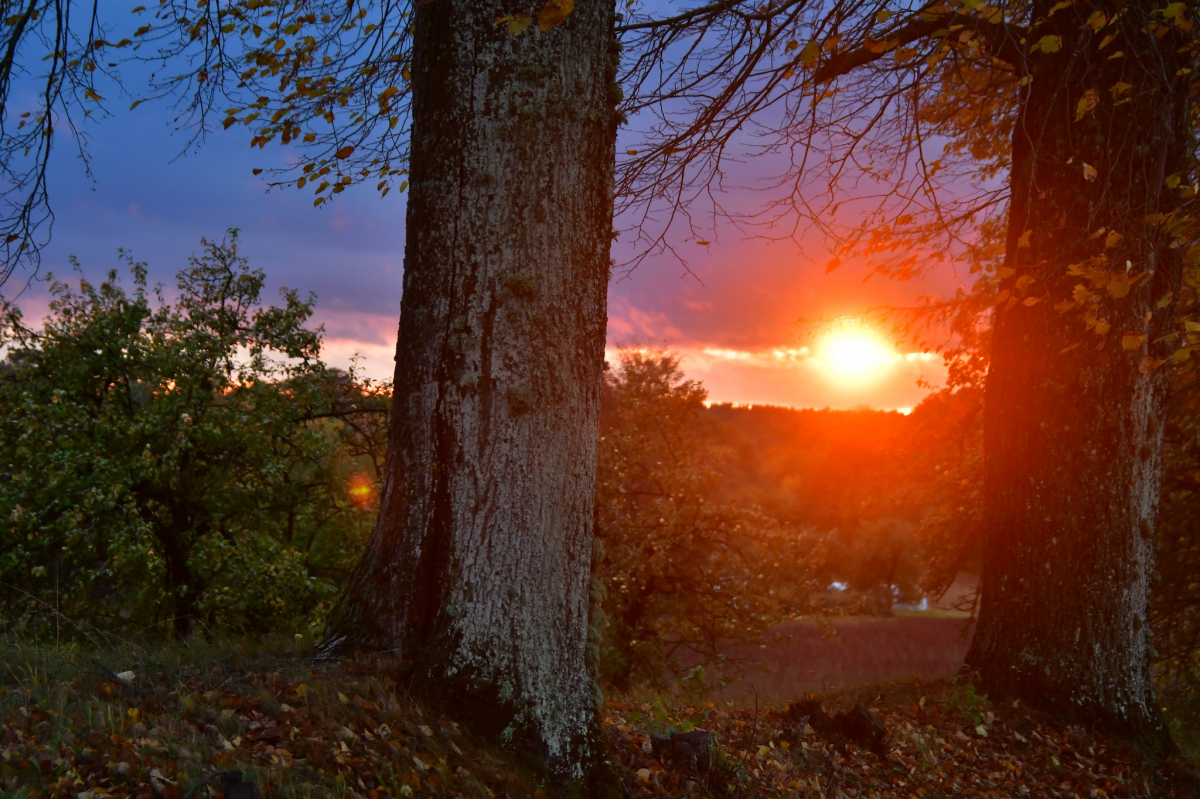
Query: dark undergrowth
x=174 y=721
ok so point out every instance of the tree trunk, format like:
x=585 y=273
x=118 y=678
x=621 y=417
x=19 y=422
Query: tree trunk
x=1074 y=410
x=478 y=570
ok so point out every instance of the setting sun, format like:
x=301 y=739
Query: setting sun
x=854 y=354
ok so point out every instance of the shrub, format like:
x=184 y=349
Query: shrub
x=179 y=462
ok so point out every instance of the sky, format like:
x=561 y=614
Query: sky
x=731 y=313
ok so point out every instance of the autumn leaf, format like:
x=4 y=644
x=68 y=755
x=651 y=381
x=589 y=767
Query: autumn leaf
x=345 y=152
x=1131 y=341
x=554 y=12
x=519 y=24
x=1089 y=173
x=1049 y=44
x=1087 y=103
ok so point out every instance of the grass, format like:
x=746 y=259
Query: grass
x=74 y=722
x=162 y=721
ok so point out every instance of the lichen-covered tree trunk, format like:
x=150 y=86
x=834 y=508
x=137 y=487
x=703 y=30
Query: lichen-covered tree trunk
x=1074 y=408
x=478 y=571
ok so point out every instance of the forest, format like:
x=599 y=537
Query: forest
x=531 y=564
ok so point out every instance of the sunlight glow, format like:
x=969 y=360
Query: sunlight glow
x=854 y=354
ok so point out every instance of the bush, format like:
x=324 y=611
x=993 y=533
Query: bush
x=685 y=574
x=180 y=462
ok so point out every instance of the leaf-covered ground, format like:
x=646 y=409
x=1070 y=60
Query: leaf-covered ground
x=168 y=722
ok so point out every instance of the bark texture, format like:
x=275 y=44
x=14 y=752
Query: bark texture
x=1074 y=419
x=478 y=571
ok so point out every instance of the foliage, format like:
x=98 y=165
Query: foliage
x=685 y=572
x=180 y=462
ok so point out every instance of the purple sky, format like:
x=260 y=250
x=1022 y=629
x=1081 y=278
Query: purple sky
x=732 y=318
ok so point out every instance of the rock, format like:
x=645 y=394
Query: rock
x=692 y=749
x=857 y=725
x=235 y=786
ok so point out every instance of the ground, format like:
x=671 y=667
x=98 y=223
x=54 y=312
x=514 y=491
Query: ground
x=166 y=722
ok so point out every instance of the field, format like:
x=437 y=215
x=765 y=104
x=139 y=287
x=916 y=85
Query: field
x=851 y=653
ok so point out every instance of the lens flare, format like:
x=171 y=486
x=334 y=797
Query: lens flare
x=361 y=489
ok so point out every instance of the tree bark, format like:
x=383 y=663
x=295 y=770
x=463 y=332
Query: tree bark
x=1074 y=410
x=478 y=570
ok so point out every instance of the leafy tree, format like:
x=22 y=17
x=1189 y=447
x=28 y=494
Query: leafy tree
x=1099 y=233
x=170 y=463
x=684 y=573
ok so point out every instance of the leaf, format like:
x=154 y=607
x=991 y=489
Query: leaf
x=1087 y=103
x=1131 y=341
x=1060 y=6
x=553 y=13
x=257 y=170
x=1032 y=300
x=703 y=243
x=519 y=24
x=834 y=263
x=345 y=152
x=1089 y=173
x=1112 y=239
x=1119 y=285
x=883 y=15
x=1049 y=44
x=792 y=45
x=809 y=55
x=1174 y=10
x=1173 y=180
x=1024 y=240
x=91 y=95
x=1148 y=365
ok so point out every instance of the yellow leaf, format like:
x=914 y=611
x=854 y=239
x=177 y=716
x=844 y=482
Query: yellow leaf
x=789 y=72
x=1049 y=44
x=91 y=95
x=345 y=152
x=133 y=713
x=301 y=690
x=1148 y=365
x=703 y=243
x=1086 y=104
x=643 y=775
x=1089 y=173
x=832 y=42
x=883 y=15
x=1024 y=240
x=1131 y=341
x=1174 y=10
x=300 y=183
x=1112 y=239
x=1118 y=285
x=1032 y=300
x=809 y=55
x=519 y=24
x=554 y=12
x=345 y=700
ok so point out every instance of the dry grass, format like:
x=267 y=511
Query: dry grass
x=71 y=727
x=850 y=653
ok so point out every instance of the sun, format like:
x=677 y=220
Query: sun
x=854 y=354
